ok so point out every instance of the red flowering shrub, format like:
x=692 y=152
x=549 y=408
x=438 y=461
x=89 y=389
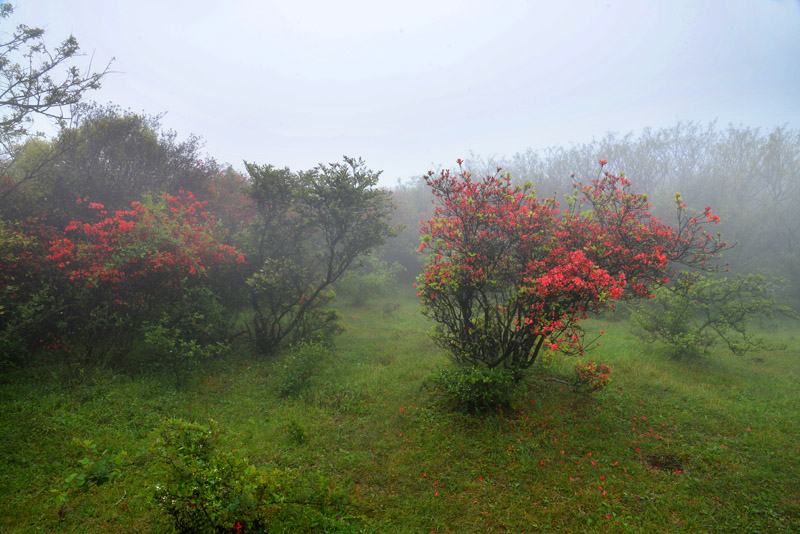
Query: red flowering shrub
x=109 y=275
x=590 y=377
x=25 y=302
x=509 y=274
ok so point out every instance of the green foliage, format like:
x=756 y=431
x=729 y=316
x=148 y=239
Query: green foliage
x=699 y=312
x=29 y=314
x=303 y=360
x=37 y=81
x=590 y=377
x=311 y=228
x=372 y=279
x=199 y=314
x=296 y=433
x=176 y=352
x=476 y=388
x=202 y=488
x=206 y=488
x=96 y=469
x=111 y=156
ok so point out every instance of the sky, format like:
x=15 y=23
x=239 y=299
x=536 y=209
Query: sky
x=413 y=85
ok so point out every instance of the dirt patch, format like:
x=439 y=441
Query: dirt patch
x=664 y=462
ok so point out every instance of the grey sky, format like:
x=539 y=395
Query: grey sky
x=406 y=84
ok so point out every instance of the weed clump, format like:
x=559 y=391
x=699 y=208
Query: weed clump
x=299 y=366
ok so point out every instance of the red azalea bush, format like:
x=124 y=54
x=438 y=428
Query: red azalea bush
x=112 y=273
x=510 y=274
x=149 y=246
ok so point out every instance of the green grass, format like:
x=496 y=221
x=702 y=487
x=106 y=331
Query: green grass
x=555 y=462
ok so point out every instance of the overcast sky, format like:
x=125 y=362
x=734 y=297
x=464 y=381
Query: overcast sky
x=410 y=83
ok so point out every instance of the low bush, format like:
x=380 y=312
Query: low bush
x=590 y=377
x=205 y=488
x=476 y=389
x=299 y=366
x=176 y=353
x=96 y=468
x=699 y=312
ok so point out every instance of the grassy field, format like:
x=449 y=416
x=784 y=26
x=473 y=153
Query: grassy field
x=711 y=446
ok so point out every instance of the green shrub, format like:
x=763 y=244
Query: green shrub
x=476 y=389
x=303 y=360
x=207 y=489
x=202 y=488
x=175 y=352
x=296 y=433
x=96 y=468
x=699 y=312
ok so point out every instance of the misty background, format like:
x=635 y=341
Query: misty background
x=410 y=86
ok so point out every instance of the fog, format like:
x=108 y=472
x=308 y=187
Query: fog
x=417 y=84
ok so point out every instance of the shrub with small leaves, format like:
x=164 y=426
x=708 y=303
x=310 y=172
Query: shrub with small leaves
x=698 y=312
x=203 y=488
x=296 y=433
x=590 y=377
x=208 y=489
x=176 y=353
x=96 y=469
x=300 y=364
x=476 y=389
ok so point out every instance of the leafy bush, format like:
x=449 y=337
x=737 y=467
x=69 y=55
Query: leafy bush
x=97 y=468
x=202 y=488
x=590 y=377
x=296 y=433
x=476 y=389
x=177 y=353
x=298 y=367
x=699 y=312
x=311 y=228
x=206 y=489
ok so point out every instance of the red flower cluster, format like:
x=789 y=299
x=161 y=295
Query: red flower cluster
x=141 y=249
